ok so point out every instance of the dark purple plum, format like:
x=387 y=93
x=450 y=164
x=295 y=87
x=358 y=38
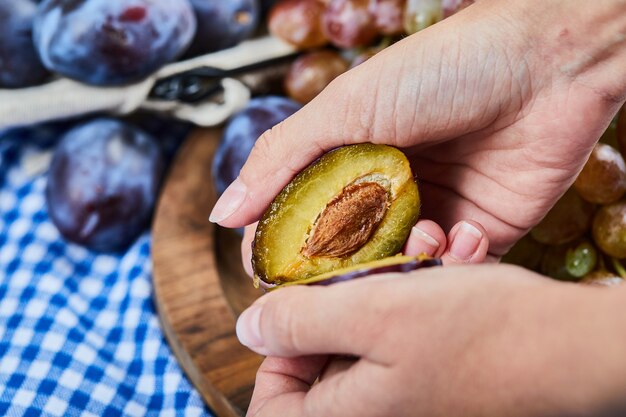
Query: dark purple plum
x=112 y=42
x=398 y=264
x=222 y=24
x=103 y=184
x=19 y=63
x=241 y=133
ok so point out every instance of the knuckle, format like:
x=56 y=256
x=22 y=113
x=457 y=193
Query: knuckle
x=261 y=149
x=265 y=152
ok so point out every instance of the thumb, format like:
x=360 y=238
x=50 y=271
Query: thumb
x=303 y=321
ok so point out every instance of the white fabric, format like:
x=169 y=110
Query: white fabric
x=64 y=98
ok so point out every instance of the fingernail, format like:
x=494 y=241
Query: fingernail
x=249 y=327
x=429 y=244
x=466 y=242
x=229 y=202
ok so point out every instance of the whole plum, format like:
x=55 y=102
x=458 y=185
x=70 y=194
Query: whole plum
x=241 y=133
x=103 y=184
x=19 y=63
x=222 y=24
x=112 y=42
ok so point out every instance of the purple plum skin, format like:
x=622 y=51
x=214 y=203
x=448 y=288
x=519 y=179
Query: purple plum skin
x=223 y=24
x=103 y=184
x=242 y=132
x=365 y=272
x=112 y=42
x=20 y=65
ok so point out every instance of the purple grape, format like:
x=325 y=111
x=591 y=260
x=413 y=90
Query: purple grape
x=103 y=184
x=112 y=42
x=222 y=24
x=19 y=63
x=349 y=23
x=242 y=132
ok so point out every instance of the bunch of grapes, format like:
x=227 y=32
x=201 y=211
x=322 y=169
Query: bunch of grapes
x=583 y=237
x=345 y=33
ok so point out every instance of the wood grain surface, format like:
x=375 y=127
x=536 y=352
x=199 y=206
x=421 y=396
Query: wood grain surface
x=200 y=286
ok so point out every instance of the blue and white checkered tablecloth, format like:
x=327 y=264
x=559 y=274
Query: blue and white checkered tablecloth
x=79 y=335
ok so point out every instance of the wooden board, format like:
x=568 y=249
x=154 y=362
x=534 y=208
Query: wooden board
x=200 y=286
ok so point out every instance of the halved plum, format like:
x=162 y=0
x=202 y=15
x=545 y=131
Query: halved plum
x=354 y=205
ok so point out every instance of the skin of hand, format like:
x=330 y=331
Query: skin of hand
x=482 y=340
x=498 y=107
x=497 y=116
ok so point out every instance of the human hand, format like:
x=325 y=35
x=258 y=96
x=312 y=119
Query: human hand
x=489 y=340
x=497 y=117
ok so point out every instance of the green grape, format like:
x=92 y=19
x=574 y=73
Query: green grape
x=420 y=14
x=554 y=263
x=567 y=221
x=581 y=259
x=603 y=179
x=609 y=229
x=527 y=252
